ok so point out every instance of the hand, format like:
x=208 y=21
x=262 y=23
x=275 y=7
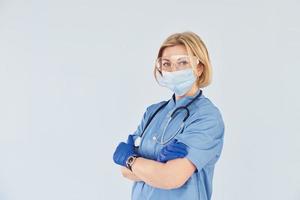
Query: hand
x=172 y=151
x=123 y=151
x=130 y=141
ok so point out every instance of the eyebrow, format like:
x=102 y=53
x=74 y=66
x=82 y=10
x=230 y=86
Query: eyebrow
x=176 y=56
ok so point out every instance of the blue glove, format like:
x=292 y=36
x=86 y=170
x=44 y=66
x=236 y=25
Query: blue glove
x=130 y=141
x=172 y=151
x=123 y=151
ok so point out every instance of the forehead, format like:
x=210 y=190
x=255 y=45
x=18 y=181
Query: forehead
x=174 y=50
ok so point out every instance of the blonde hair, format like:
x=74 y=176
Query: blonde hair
x=194 y=46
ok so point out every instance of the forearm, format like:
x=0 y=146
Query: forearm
x=156 y=174
x=129 y=174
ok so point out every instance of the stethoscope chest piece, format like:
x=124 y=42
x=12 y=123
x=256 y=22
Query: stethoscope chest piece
x=137 y=141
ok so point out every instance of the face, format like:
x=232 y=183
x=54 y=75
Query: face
x=180 y=50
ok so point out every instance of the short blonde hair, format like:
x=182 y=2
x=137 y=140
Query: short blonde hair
x=194 y=46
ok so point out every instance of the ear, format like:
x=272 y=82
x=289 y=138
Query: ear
x=199 y=69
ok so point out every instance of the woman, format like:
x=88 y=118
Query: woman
x=173 y=152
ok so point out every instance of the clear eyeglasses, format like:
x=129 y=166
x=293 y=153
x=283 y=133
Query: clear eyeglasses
x=176 y=63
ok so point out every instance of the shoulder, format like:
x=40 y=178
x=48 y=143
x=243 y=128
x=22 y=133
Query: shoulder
x=205 y=111
x=153 y=107
x=204 y=106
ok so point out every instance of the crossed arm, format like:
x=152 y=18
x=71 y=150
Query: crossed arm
x=170 y=175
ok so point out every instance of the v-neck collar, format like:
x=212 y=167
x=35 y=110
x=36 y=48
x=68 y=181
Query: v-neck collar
x=182 y=101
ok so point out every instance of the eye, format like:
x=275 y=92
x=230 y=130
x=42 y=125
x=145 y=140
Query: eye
x=184 y=62
x=166 y=64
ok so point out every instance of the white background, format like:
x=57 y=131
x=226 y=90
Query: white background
x=76 y=78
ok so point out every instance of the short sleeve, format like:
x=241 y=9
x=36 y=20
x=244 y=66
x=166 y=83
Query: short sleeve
x=204 y=138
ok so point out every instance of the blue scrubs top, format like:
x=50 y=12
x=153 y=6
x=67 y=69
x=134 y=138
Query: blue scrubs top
x=203 y=133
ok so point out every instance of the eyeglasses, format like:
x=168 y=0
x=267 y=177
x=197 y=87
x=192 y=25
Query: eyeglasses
x=176 y=63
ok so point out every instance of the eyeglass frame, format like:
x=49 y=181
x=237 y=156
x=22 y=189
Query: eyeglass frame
x=175 y=64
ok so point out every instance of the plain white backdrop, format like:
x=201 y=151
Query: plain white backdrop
x=76 y=78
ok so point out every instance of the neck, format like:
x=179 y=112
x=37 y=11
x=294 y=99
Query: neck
x=191 y=92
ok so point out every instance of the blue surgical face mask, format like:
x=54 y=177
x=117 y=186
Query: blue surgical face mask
x=180 y=82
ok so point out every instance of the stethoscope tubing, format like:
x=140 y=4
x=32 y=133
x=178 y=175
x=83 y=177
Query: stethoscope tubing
x=172 y=115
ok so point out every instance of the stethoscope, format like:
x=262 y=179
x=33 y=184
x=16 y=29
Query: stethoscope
x=139 y=139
